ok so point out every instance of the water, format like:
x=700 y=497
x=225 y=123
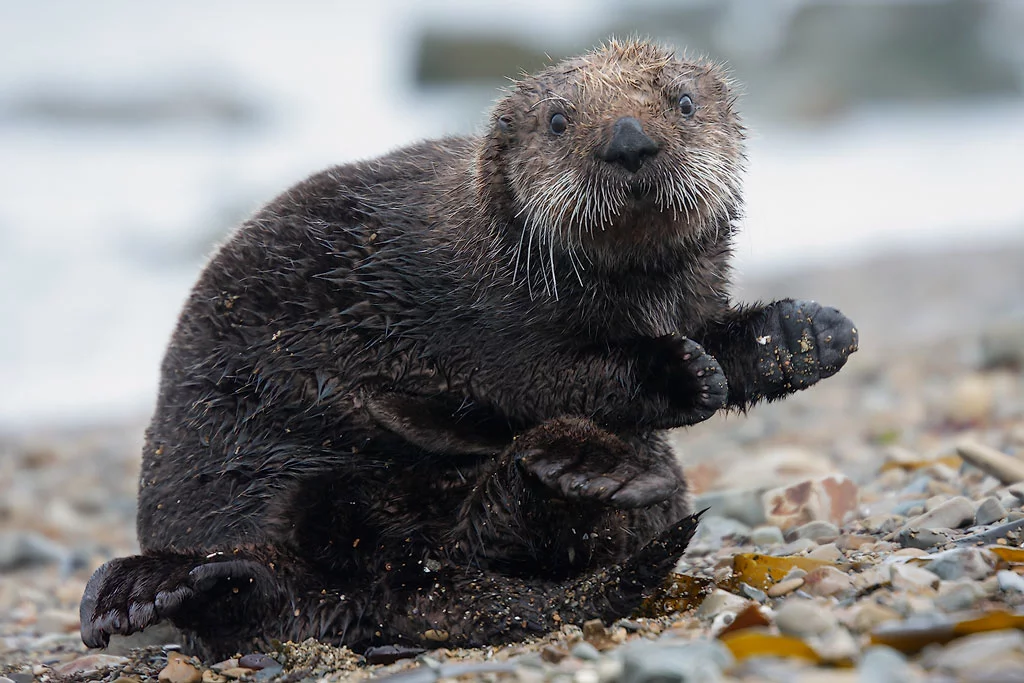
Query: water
x=104 y=227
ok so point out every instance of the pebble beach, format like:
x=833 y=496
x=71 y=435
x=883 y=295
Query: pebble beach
x=869 y=529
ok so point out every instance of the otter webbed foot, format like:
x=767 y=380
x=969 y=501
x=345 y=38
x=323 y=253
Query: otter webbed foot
x=802 y=342
x=580 y=461
x=128 y=594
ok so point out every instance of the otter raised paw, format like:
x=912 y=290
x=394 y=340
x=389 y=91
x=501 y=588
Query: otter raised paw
x=786 y=346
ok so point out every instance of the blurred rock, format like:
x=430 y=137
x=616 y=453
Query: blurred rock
x=713 y=530
x=909 y=577
x=696 y=661
x=880 y=664
x=19 y=549
x=952 y=514
x=979 y=652
x=767 y=535
x=827 y=498
x=1002 y=345
x=802 y=618
x=1010 y=582
x=828 y=552
x=56 y=620
x=959 y=596
x=785 y=587
x=923 y=539
x=89 y=664
x=962 y=563
x=825 y=581
x=868 y=614
x=818 y=530
x=835 y=645
x=719 y=602
x=970 y=401
x=742 y=505
x=1005 y=468
x=989 y=511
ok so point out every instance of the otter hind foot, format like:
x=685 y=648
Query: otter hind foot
x=579 y=461
x=804 y=342
x=128 y=594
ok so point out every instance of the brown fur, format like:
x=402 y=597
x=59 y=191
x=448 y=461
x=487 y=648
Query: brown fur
x=423 y=394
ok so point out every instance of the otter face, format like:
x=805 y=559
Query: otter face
x=620 y=150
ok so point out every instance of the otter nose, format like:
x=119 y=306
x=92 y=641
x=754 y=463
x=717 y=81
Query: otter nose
x=629 y=145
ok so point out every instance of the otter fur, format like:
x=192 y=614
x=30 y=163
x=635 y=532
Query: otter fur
x=420 y=399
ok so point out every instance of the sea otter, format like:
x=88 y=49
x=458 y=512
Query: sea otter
x=421 y=399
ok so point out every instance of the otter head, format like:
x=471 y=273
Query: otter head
x=610 y=156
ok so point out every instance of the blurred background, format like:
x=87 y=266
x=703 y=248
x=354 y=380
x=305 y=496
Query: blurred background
x=134 y=135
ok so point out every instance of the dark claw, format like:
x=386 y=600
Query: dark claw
x=129 y=594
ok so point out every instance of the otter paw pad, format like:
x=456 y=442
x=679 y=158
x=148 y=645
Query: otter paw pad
x=804 y=342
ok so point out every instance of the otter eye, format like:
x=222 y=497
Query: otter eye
x=686 y=106
x=558 y=124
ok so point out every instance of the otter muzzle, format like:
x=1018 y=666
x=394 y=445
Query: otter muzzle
x=629 y=146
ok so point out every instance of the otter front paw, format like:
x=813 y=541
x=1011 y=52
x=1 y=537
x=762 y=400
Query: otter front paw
x=802 y=343
x=130 y=593
x=579 y=461
x=691 y=378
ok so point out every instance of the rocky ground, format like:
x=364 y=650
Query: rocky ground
x=869 y=529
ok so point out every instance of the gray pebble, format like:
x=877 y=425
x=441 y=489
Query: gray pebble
x=585 y=651
x=767 y=535
x=803 y=618
x=1015 y=516
x=968 y=653
x=794 y=548
x=28 y=549
x=917 y=486
x=688 y=662
x=1017 y=491
x=952 y=514
x=880 y=664
x=754 y=593
x=742 y=505
x=816 y=531
x=713 y=530
x=1011 y=582
x=959 y=596
x=923 y=539
x=531 y=660
x=22 y=677
x=989 y=511
x=962 y=563
x=905 y=506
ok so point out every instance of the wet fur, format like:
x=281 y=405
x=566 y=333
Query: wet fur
x=418 y=399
